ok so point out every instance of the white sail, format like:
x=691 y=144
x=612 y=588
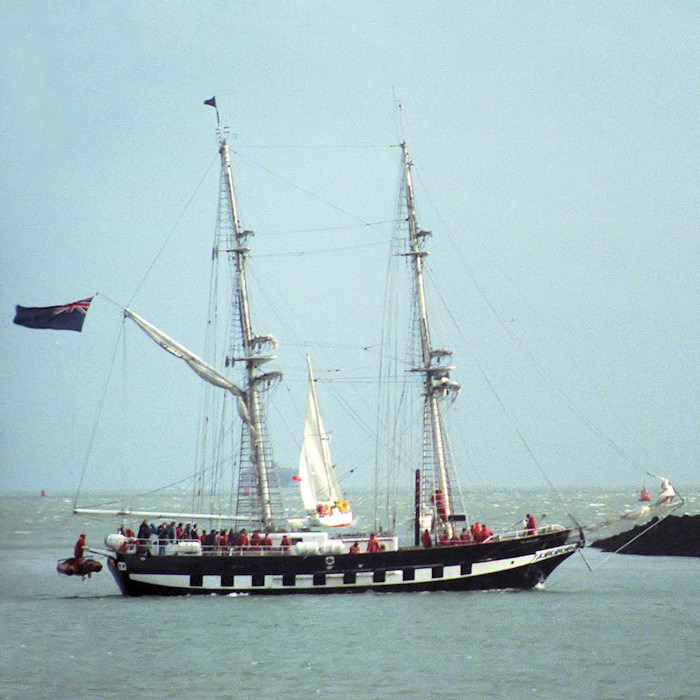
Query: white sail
x=318 y=483
x=197 y=364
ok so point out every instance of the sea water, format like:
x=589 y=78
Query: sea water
x=630 y=628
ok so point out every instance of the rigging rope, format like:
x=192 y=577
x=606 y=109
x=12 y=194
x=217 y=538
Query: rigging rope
x=504 y=408
x=303 y=189
x=605 y=560
x=172 y=230
x=653 y=524
x=328 y=228
x=530 y=357
x=99 y=411
x=299 y=253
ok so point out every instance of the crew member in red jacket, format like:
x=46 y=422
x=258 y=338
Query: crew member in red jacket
x=373 y=544
x=242 y=538
x=438 y=498
x=78 y=549
x=531 y=524
x=466 y=535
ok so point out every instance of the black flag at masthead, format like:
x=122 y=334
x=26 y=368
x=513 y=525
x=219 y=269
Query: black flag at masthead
x=212 y=103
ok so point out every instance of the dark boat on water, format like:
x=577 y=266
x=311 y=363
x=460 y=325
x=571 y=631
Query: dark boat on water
x=295 y=558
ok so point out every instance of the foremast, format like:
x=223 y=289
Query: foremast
x=436 y=374
x=253 y=346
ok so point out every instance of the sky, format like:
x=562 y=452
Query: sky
x=556 y=162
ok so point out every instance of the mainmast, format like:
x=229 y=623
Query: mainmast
x=437 y=382
x=252 y=346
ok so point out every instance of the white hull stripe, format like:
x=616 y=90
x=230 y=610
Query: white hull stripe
x=362 y=578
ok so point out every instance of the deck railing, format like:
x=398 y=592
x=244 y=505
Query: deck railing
x=187 y=547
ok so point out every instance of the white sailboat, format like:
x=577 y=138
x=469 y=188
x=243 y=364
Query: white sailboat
x=318 y=482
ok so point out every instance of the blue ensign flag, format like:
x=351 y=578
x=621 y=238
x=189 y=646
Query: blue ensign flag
x=68 y=317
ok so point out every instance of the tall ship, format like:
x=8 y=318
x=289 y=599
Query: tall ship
x=255 y=547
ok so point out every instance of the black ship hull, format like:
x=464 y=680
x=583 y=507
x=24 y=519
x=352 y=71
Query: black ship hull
x=517 y=563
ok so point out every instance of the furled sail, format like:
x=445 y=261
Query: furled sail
x=197 y=364
x=318 y=483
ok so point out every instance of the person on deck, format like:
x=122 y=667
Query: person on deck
x=255 y=540
x=210 y=541
x=425 y=540
x=266 y=542
x=531 y=525
x=465 y=535
x=373 y=544
x=354 y=548
x=162 y=538
x=144 y=533
x=477 y=532
x=486 y=534
x=285 y=543
x=242 y=539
